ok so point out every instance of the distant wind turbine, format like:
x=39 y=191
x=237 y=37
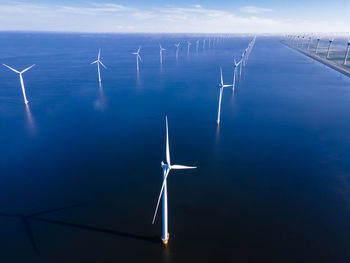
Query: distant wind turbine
x=221 y=86
x=203 y=44
x=318 y=42
x=197 y=45
x=234 y=73
x=163 y=191
x=177 y=50
x=240 y=66
x=347 y=52
x=137 y=53
x=308 y=45
x=161 y=53
x=98 y=61
x=188 y=47
x=21 y=79
x=329 y=46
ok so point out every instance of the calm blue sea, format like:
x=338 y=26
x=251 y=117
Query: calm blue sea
x=80 y=168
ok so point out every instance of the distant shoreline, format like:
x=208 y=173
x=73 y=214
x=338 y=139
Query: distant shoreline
x=324 y=61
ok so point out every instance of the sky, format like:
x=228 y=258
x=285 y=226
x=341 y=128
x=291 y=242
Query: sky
x=180 y=16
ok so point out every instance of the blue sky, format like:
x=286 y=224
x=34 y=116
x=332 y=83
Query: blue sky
x=183 y=16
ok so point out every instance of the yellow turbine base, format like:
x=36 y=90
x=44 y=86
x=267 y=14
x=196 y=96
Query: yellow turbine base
x=165 y=241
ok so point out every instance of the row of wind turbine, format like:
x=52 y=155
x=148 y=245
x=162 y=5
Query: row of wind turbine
x=244 y=58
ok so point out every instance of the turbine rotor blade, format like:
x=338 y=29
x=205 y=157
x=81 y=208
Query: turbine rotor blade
x=102 y=64
x=222 y=81
x=99 y=54
x=167 y=142
x=27 y=68
x=11 y=68
x=179 y=167
x=94 y=62
x=160 y=195
x=139 y=57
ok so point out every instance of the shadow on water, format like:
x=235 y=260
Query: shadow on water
x=35 y=216
x=152 y=239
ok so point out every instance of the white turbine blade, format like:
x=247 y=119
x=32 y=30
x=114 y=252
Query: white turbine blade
x=135 y=53
x=27 y=68
x=235 y=61
x=138 y=50
x=225 y=86
x=179 y=167
x=11 y=68
x=167 y=142
x=222 y=81
x=139 y=57
x=102 y=64
x=160 y=195
x=94 y=62
x=99 y=54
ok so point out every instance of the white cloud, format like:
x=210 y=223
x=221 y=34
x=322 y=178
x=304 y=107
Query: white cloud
x=254 y=9
x=110 y=17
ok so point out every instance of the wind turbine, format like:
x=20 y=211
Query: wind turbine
x=163 y=190
x=203 y=44
x=347 y=52
x=161 y=53
x=98 y=61
x=240 y=66
x=197 y=45
x=21 y=79
x=137 y=53
x=329 y=46
x=234 y=73
x=222 y=86
x=318 y=42
x=177 y=50
x=308 y=45
x=188 y=47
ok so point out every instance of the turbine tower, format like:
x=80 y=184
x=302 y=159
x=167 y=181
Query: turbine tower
x=137 y=53
x=163 y=191
x=203 y=44
x=221 y=86
x=197 y=46
x=21 y=80
x=161 y=53
x=329 y=46
x=98 y=61
x=347 y=52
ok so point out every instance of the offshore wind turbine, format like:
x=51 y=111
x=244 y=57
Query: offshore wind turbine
x=329 y=46
x=21 y=80
x=197 y=45
x=98 y=62
x=309 y=42
x=188 y=47
x=234 y=73
x=221 y=86
x=163 y=190
x=177 y=50
x=347 y=52
x=161 y=53
x=137 y=53
x=318 y=42
x=203 y=44
x=240 y=66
